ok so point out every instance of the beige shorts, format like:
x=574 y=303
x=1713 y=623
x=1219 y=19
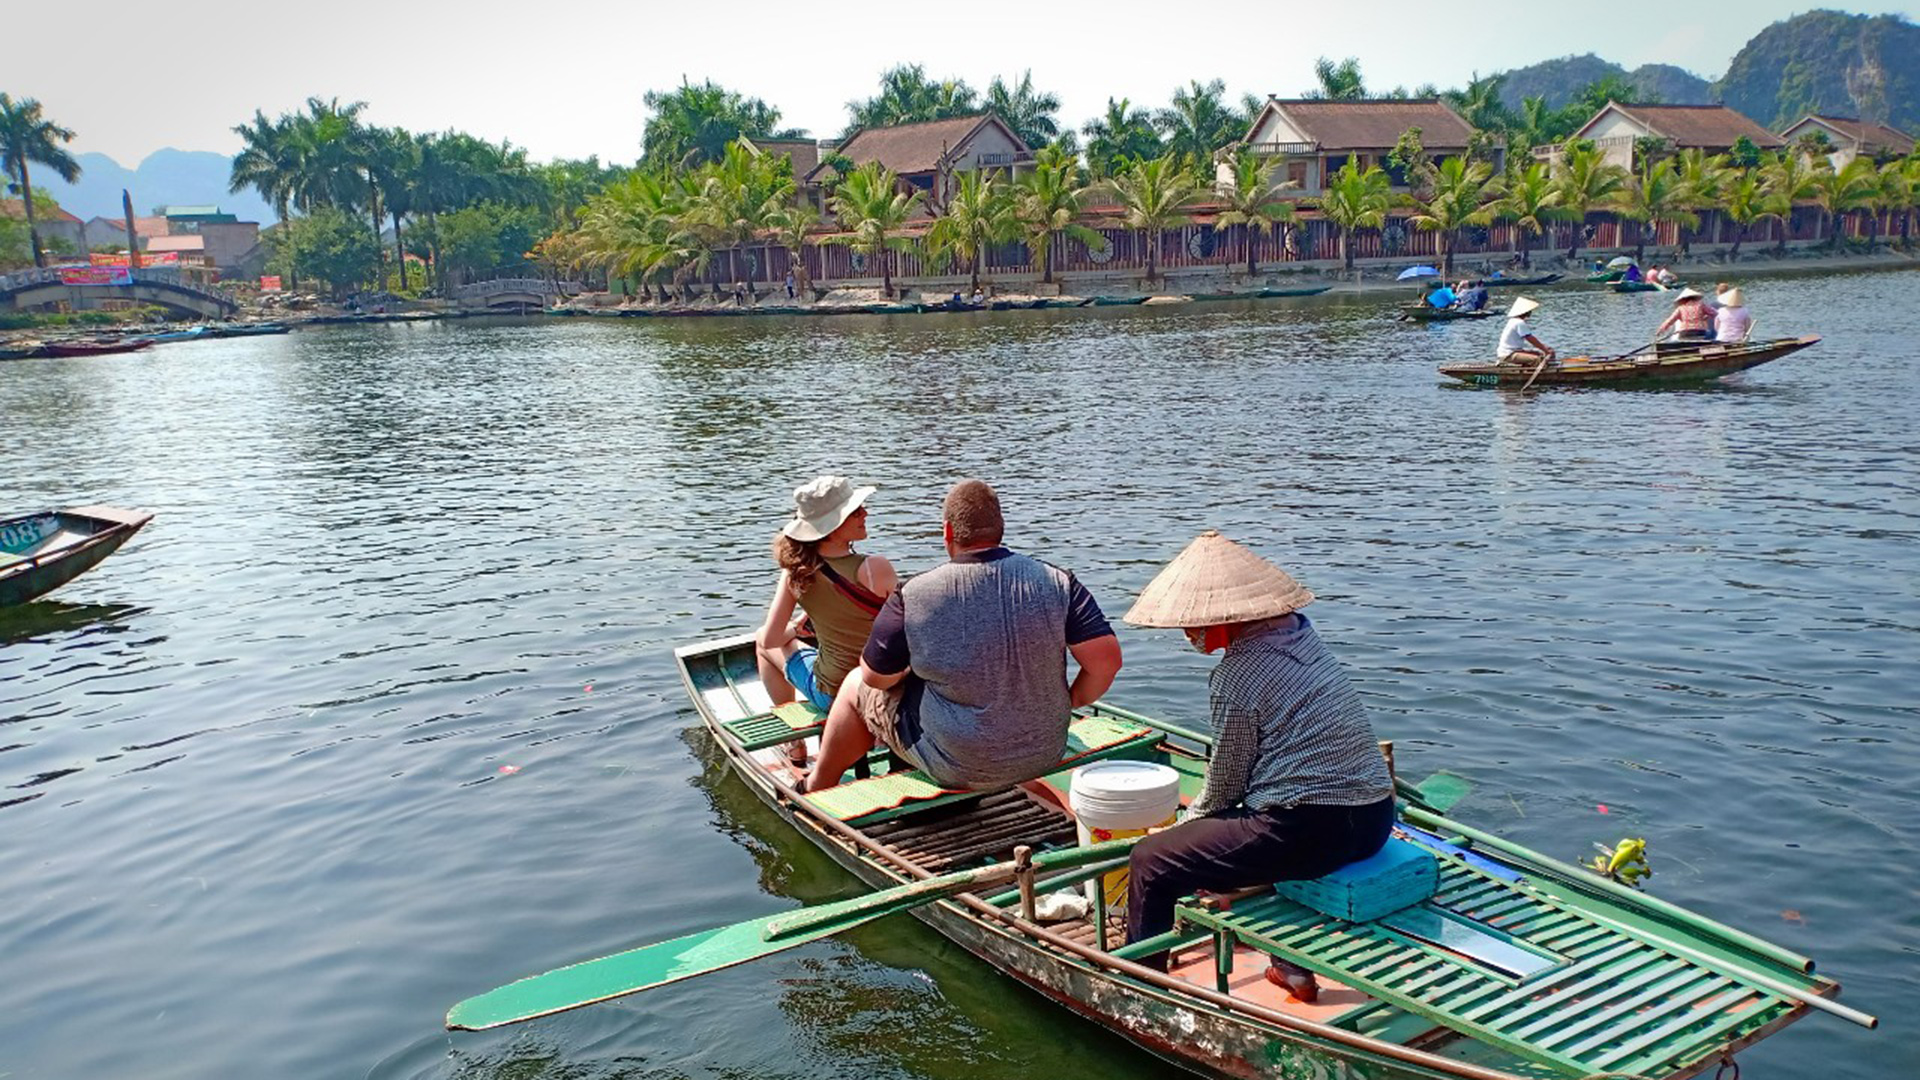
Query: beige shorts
x=880 y=711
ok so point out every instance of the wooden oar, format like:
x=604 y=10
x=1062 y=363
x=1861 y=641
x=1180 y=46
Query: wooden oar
x=656 y=965
x=1537 y=369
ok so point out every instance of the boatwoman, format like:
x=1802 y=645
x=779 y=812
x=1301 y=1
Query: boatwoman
x=836 y=589
x=1517 y=342
x=1296 y=787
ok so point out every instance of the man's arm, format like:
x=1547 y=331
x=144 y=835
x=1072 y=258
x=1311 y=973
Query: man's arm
x=885 y=660
x=1099 y=660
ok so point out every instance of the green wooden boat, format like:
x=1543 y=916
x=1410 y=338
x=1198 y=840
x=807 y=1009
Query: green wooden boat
x=1602 y=277
x=1516 y=965
x=1501 y=281
x=41 y=552
x=1429 y=313
x=1646 y=286
x=1669 y=364
x=1118 y=301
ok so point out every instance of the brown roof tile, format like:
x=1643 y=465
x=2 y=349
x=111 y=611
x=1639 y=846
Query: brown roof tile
x=912 y=148
x=1376 y=125
x=13 y=208
x=1879 y=136
x=1712 y=127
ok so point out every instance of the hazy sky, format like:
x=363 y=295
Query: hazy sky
x=565 y=79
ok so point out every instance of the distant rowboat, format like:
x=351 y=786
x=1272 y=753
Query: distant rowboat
x=95 y=348
x=41 y=552
x=1499 y=282
x=1646 y=286
x=1669 y=365
x=1427 y=313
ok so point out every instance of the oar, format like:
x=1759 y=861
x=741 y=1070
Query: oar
x=1537 y=369
x=656 y=965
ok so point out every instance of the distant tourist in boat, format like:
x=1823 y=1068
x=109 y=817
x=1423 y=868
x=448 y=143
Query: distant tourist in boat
x=1442 y=296
x=1296 y=786
x=1731 y=322
x=1691 y=319
x=836 y=589
x=1473 y=296
x=978 y=297
x=1720 y=289
x=965 y=676
x=1632 y=273
x=1517 y=342
x=1665 y=275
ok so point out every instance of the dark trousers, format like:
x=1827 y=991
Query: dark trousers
x=1244 y=847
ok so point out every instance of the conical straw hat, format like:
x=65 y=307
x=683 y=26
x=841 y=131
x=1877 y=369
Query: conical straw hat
x=1214 y=582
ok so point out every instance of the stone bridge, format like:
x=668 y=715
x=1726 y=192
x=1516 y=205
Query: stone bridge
x=514 y=294
x=168 y=288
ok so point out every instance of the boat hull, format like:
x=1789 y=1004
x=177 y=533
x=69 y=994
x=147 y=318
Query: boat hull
x=1520 y=283
x=1441 y=315
x=38 y=562
x=108 y=348
x=1710 y=362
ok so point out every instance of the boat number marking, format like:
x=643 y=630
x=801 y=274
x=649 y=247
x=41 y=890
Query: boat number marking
x=24 y=535
x=1486 y=380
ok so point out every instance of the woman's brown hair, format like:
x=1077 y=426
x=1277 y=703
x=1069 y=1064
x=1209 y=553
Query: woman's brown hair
x=799 y=558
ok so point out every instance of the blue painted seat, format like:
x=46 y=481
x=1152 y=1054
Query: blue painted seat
x=1400 y=875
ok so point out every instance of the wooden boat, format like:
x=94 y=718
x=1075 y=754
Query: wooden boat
x=1646 y=286
x=953 y=305
x=1262 y=294
x=1515 y=966
x=1118 y=301
x=1501 y=282
x=95 y=348
x=187 y=333
x=41 y=552
x=1429 y=313
x=227 y=330
x=1603 y=277
x=23 y=350
x=1708 y=361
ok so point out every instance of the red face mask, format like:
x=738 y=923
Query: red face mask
x=1210 y=639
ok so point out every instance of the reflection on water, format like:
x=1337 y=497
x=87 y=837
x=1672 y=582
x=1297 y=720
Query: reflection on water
x=380 y=712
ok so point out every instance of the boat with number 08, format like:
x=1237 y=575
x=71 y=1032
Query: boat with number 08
x=41 y=552
x=1460 y=955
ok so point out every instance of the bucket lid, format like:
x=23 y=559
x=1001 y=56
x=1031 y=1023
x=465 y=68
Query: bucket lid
x=1124 y=777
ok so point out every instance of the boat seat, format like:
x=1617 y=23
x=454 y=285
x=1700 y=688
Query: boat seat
x=1399 y=875
x=1517 y=967
x=896 y=794
x=794 y=720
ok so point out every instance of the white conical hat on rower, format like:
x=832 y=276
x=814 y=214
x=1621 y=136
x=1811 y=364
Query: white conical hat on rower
x=1523 y=305
x=1216 y=581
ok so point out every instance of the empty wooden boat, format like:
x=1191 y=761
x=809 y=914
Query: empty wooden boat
x=41 y=552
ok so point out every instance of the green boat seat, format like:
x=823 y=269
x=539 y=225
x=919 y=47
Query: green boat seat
x=1399 y=875
x=794 y=720
x=862 y=802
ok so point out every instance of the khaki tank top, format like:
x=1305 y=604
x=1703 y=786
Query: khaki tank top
x=842 y=625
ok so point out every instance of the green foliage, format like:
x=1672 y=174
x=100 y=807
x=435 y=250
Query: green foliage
x=1531 y=202
x=1124 y=134
x=1198 y=122
x=1355 y=198
x=15 y=249
x=1480 y=104
x=978 y=213
x=1251 y=201
x=1830 y=62
x=487 y=235
x=1657 y=194
x=27 y=320
x=1461 y=191
x=1338 y=82
x=1153 y=196
x=28 y=138
x=907 y=96
x=1032 y=114
x=872 y=209
x=330 y=246
x=1584 y=182
x=692 y=124
x=1744 y=154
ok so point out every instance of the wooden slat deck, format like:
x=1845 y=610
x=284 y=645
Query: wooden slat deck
x=1613 y=1002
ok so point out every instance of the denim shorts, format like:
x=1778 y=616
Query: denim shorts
x=800 y=674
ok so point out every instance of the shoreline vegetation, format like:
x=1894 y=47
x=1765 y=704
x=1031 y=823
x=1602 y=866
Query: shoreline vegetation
x=1134 y=201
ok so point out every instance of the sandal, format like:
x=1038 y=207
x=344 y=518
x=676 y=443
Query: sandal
x=1295 y=980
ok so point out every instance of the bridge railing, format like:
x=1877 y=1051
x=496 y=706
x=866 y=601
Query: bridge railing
x=155 y=275
x=531 y=286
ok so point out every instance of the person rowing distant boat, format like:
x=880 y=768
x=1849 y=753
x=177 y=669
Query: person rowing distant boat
x=1517 y=343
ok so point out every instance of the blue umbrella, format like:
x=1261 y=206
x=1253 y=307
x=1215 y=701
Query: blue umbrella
x=1412 y=272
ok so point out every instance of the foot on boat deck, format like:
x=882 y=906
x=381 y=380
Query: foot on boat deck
x=1294 y=979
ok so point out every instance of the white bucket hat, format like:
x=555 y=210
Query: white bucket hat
x=820 y=505
x=1215 y=582
x=1522 y=305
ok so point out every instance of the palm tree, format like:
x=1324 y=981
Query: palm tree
x=789 y=225
x=1787 y=179
x=1703 y=175
x=1896 y=193
x=392 y=158
x=1198 y=122
x=1743 y=199
x=1838 y=192
x=1531 y=201
x=978 y=213
x=872 y=208
x=28 y=137
x=1480 y=104
x=1355 y=199
x=1123 y=134
x=738 y=194
x=1656 y=195
x=1045 y=203
x=1338 y=82
x=692 y=125
x=1252 y=202
x=1461 y=191
x=907 y=96
x=1030 y=113
x=1152 y=195
x=1585 y=182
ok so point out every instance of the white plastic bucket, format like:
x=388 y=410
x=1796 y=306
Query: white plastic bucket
x=1116 y=799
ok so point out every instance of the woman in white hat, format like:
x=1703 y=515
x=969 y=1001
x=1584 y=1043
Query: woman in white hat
x=1296 y=786
x=1517 y=342
x=1690 y=320
x=1731 y=321
x=836 y=589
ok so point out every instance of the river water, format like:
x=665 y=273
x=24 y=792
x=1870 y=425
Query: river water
x=379 y=712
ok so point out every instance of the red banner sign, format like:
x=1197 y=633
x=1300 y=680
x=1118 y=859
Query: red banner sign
x=270 y=283
x=96 y=275
x=158 y=258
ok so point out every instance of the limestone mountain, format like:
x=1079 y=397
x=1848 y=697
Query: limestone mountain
x=1559 y=80
x=1830 y=62
x=165 y=177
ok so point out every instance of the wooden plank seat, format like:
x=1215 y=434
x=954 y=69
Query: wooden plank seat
x=862 y=802
x=1605 y=1000
x=794 y=720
